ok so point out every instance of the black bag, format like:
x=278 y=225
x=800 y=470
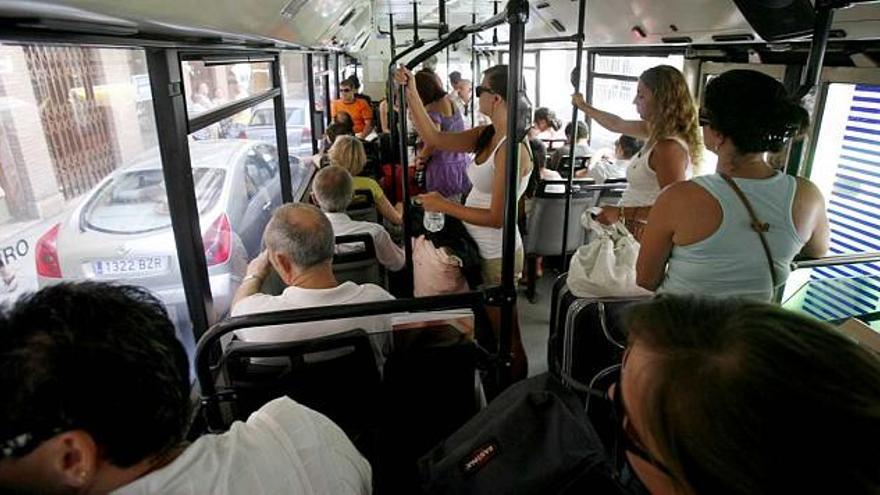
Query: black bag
x=533 y=438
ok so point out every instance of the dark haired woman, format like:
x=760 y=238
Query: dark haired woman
x=545 y=125
x=445 y=171
x=729 y=397
x=703 y=230
x=483 y=212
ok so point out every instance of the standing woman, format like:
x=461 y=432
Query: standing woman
x=445 y=171
x=483 y=212
x=703 y=230
x=669 y=124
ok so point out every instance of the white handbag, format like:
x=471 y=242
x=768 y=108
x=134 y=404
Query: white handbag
x=606 y=267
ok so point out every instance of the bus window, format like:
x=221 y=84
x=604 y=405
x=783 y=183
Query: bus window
x=208 y=87
x=296 y=99
x=83 y=193
x=615 y=79
x=845 y=167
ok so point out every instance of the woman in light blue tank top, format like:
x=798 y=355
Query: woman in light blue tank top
x=699 y=238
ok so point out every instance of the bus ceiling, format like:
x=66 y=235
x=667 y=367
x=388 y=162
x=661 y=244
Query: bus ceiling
x=356 y=25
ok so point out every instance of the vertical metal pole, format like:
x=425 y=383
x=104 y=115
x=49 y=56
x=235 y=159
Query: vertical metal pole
x=495 y=30
x=574 y=115
x=474 y=79
x=415 y=21
x=281 y=134
x=537 y=77
x=336 y=76
x=517 y=16
x=310 y=85
x=166 y=85
x=326 y=81
x=404 y=165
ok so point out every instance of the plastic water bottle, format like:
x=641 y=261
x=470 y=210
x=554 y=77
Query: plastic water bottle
x=434 y=221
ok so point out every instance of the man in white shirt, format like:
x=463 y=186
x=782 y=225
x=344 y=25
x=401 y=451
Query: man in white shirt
x=299 y=246
x=333 y=188
x=96 y=394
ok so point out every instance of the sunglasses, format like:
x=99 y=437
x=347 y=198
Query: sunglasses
x=628 y=436
x=482 y=89
x=704 y=117
x=344 y=90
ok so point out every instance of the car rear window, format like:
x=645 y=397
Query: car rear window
x=266 y=116
x=135 y=201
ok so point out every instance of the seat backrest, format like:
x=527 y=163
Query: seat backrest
x=363 y=207
x=580 y=162
x=361 y=265
x=545 y=223
x=336 y=375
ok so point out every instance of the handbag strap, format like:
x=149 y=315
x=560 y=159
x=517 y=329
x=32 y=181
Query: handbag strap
x=757 y=225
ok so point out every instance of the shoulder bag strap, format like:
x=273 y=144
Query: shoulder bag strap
x=757 y=225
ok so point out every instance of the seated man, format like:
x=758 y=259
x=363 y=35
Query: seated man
x=96 y=399
x=299 y=246
x=582 y=148
x=333 y=189
x=359 y=109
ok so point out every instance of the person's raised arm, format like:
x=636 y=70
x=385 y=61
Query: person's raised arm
x=464 y=142
x=388 y=212
x=634 y=128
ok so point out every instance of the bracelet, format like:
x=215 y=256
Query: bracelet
x=250 y=277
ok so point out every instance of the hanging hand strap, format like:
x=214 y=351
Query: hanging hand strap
x=757 y=225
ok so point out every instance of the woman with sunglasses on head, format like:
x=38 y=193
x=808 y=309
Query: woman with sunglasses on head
x=669 y=124
x=731 y=397
x=735 y=233
x=483 y=211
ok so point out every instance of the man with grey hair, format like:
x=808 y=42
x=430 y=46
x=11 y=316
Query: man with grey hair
x=299 y=246
x=332 y=188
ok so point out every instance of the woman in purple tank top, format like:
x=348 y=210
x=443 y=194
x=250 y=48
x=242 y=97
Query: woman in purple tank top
x=445 y=171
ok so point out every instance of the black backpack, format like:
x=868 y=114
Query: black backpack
x=533 y=438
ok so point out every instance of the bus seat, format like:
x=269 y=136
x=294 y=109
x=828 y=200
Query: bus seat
x=336 y=375
x=361 y=266
x=363 y=207
x=580 y=163
x=544 y=232
x=431 y=389
x=585 y=336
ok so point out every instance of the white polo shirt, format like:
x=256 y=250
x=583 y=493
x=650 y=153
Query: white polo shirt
x=283 y=447
x=390 y=255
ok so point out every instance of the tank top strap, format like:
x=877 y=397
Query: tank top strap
x=498 y=146
x=681 y=143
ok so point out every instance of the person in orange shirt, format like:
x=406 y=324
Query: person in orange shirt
x=359 y=110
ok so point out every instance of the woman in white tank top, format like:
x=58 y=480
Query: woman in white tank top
x=669 y=123
x=699 y=238
x=483 y=212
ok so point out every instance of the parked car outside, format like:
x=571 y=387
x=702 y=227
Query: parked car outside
x=299 y=132
x=121 y=229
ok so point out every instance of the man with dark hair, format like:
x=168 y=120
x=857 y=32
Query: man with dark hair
x=359 y=109
x=581 y=148
x=299 y=247
x=96 y=399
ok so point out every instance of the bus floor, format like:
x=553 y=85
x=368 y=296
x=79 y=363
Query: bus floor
x=534 y=321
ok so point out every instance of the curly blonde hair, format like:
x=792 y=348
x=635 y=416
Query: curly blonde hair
x=675 y=113
x=348 y=152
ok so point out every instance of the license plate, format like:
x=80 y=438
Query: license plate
x=131 y=266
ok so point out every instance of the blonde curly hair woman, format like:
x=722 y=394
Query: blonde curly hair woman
x=669 y=124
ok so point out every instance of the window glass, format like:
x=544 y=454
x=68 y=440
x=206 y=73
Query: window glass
x=556 y=88
x=208 y=87
x=296 y=101
x=616 y=95
x=845 y=168
x=634 y=66
x=81 y=190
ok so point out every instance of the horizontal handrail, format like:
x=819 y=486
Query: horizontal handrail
x=838 y=259
x=473 y=300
